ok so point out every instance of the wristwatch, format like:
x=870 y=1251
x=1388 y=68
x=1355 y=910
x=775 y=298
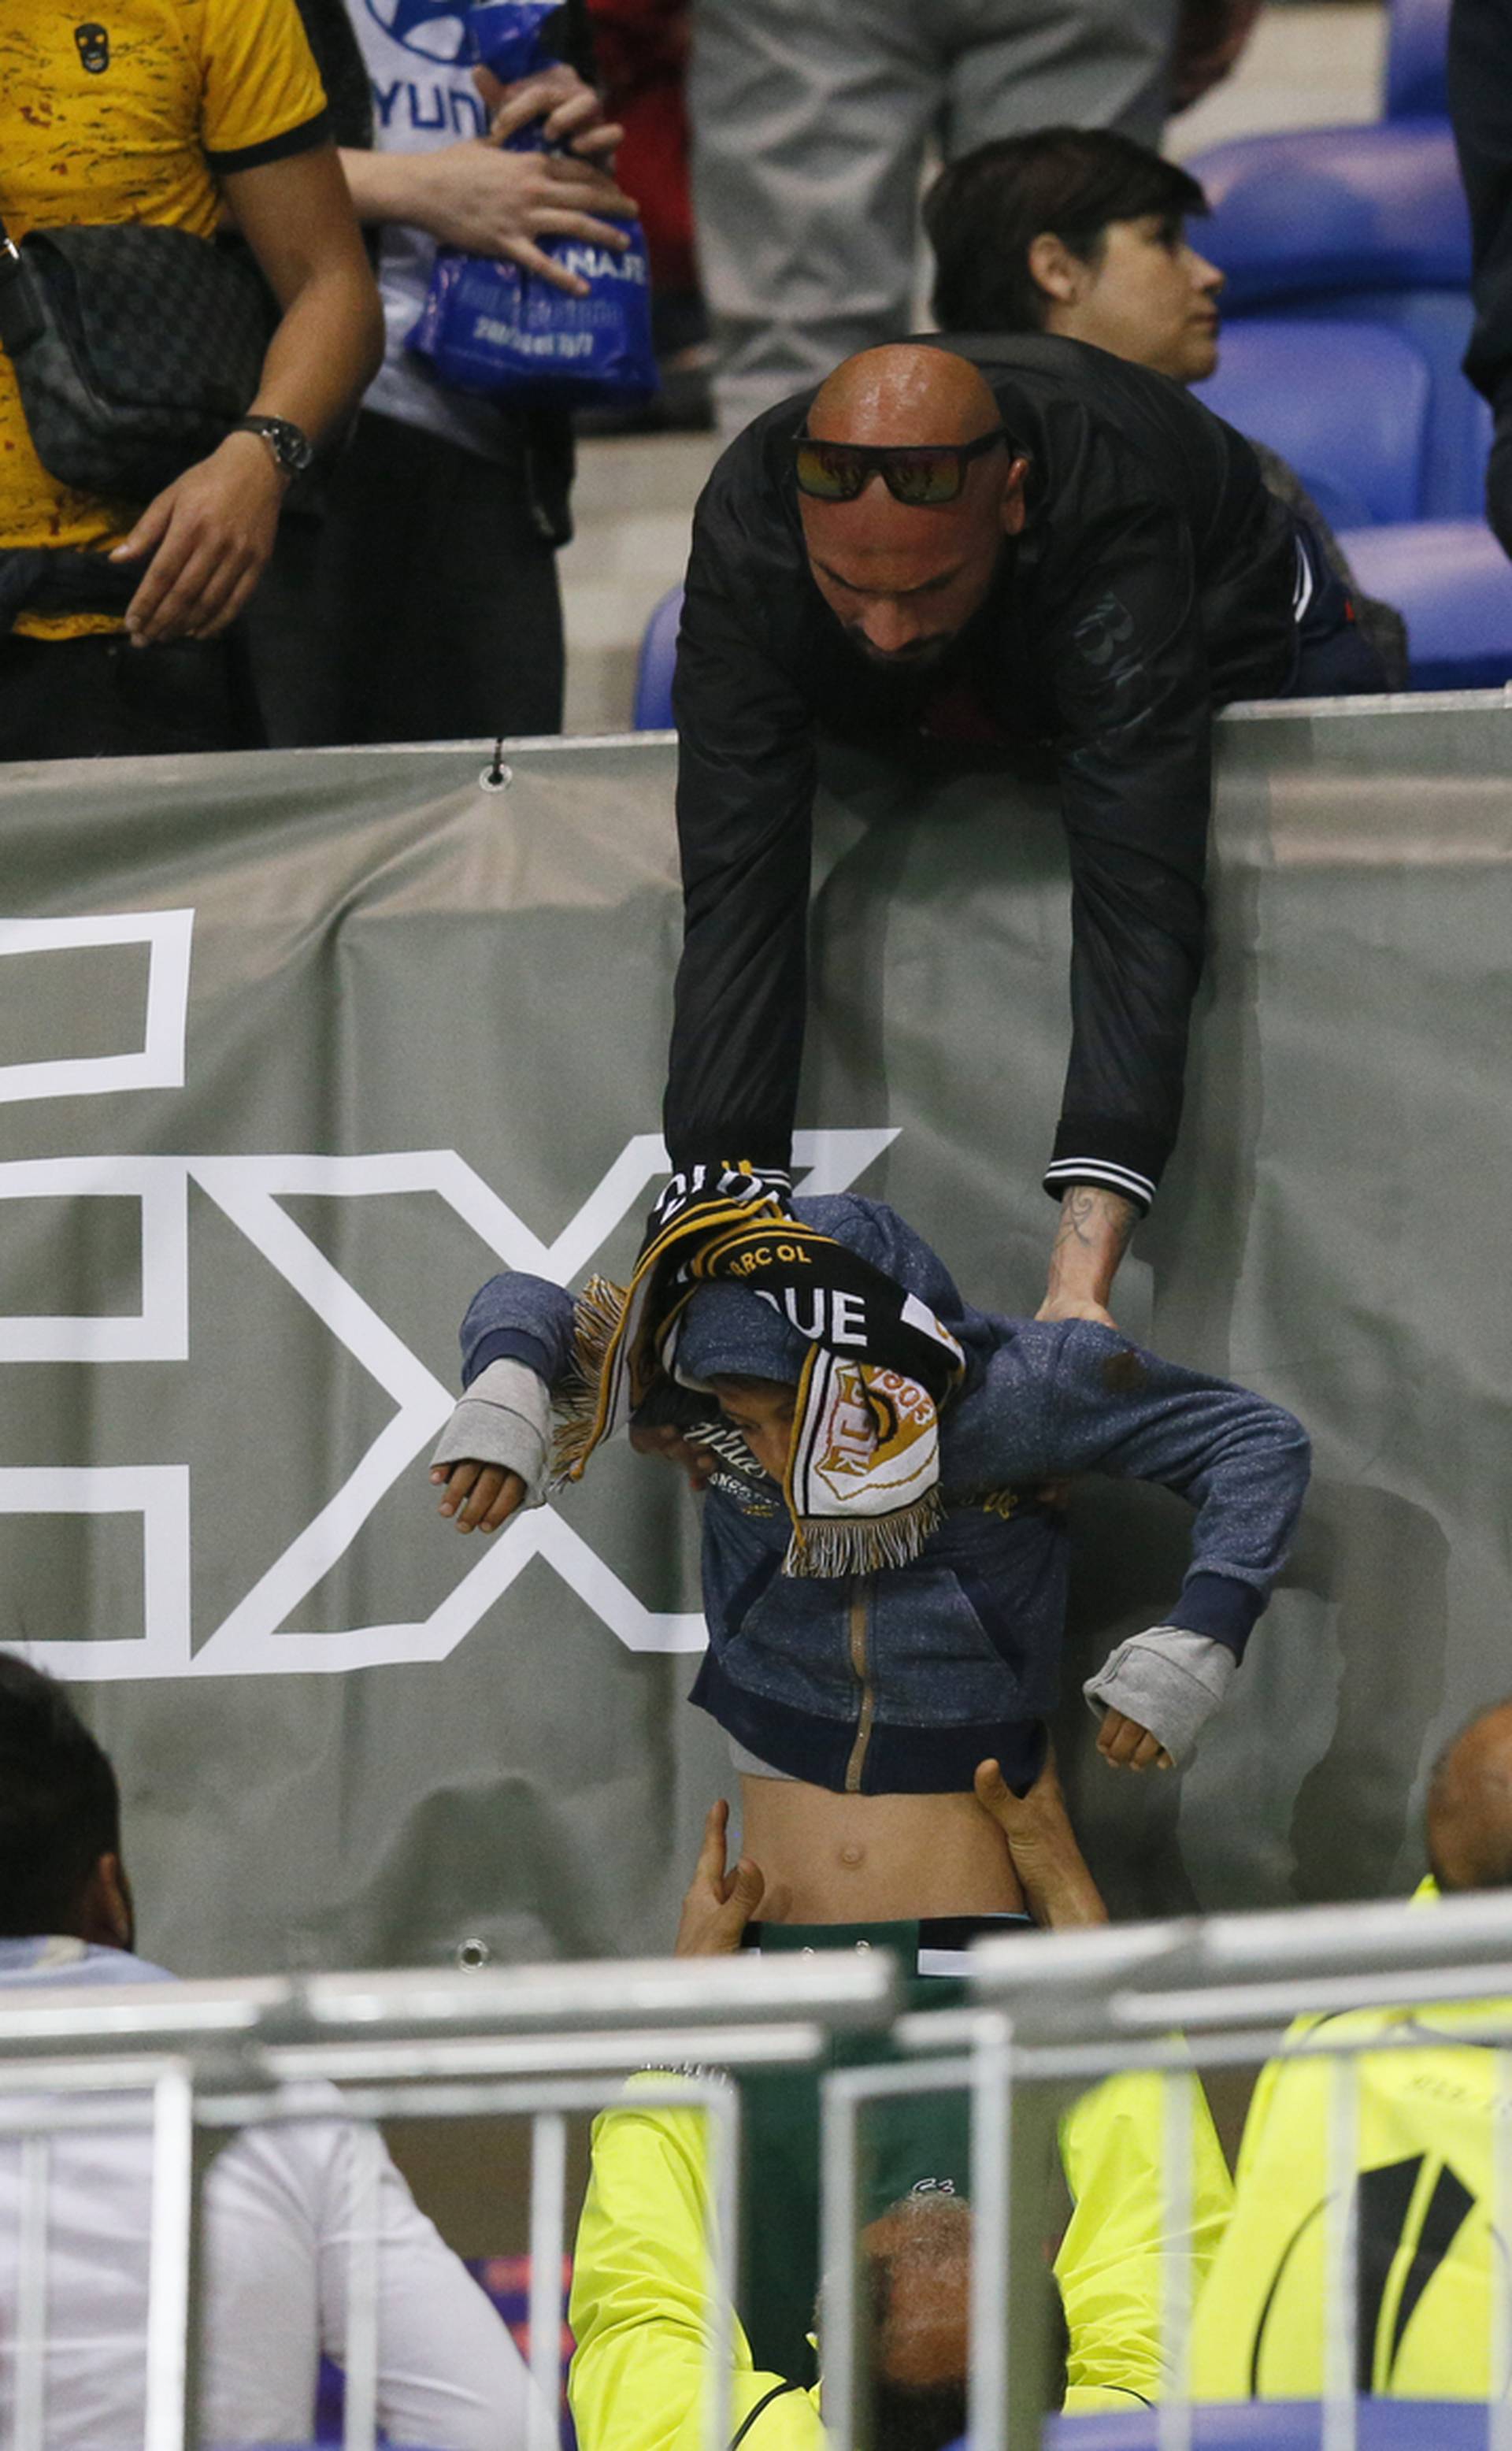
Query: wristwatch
x=291 y=447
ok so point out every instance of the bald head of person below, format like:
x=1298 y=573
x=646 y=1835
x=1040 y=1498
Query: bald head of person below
x=922 y=488
x=1470 y=1805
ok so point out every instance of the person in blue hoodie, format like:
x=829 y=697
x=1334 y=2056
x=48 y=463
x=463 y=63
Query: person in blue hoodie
x=903 y=1680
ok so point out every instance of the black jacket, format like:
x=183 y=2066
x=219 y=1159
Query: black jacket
x=1153 y=583
x=1480 y=106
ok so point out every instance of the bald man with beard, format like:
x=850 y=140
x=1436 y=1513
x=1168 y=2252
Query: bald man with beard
x=1019 y=538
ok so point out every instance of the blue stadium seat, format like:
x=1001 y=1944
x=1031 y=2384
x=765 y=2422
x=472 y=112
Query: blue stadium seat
x=1317 y=210
x=1366 y=226
x=1453 y=583
x=659 y=655
x=1346 y=404
x=1417 y=57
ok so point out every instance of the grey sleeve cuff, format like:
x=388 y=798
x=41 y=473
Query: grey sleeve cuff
x=505 y=1419
x=1169 y=1680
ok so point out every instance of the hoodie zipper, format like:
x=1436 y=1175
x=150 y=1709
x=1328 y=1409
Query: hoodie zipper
x=860 y=1612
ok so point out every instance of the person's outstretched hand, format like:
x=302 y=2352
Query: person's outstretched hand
x=720 y=1903
x=1051 y=1866
x=479 y=1497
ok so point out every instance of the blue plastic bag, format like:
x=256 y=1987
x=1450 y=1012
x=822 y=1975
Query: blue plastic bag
x=492 y=327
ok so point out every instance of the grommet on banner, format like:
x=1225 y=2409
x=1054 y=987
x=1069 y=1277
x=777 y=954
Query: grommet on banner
x=473 y=1954
x=498 y=777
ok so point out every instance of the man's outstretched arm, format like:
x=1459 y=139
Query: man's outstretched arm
x=1114 y=2261
x=641 y=2311
x=745 y=807
x=1136 y=785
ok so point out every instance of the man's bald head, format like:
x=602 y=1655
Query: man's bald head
x=1470 y=1805
x=903 y=394
x=904 y=578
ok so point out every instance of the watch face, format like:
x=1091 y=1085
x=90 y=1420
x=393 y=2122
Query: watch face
x=295 y=450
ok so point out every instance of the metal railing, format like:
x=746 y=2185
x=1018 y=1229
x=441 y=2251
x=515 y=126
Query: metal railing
x=1053 y=2014
x=1048 y=2015
x=189 y=2062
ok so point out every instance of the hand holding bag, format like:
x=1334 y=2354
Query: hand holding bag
x=136 y=348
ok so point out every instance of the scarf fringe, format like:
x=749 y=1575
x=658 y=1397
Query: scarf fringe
x=865 y=1545
x=596 y=1317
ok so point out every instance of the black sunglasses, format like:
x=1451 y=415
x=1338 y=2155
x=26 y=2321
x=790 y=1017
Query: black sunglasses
x=922 y=474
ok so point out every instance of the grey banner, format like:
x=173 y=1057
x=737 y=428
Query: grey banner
x=295 y=1050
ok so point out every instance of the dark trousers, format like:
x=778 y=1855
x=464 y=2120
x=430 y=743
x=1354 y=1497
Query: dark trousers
x=420 y=603
x=102 y=697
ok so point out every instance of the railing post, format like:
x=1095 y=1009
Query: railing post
x=170 y=2417
x=548 y=2214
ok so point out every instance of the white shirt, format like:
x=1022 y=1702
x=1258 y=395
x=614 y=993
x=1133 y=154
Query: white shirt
x=424 y=97
x=276 y=2240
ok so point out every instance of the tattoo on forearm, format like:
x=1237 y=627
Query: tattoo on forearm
x=1085 y=1211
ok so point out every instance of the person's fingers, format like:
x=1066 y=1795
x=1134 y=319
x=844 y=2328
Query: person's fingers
x=459 y=1481
x=573 y=116
x=239 y=597
x=485 y=1489
x=489 y=87
x=518 y=105
x=229 y=581
x=700 y=1465
x=569 y=180
x=553 y=221
x=651 y=1437
x=161 y=577
x=533 y=259
x=1148 y=1750
x=1119 y=1738
x=600 y=142
x=710 y=1866
x=511 y=1495
x=149 y=530
x=177 y=606
x=746 y=1890
x=991 y=1790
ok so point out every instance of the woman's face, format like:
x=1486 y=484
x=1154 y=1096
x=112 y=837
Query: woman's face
x=1150 y=296
x=762 y=1410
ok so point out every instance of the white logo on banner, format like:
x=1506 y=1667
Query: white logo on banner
x=248 y=1191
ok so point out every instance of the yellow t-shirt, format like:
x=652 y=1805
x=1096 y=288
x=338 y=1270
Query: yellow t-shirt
x=127 y=114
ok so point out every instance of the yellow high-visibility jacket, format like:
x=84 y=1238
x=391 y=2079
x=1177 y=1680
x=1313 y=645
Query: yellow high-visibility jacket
x=640 y=2308
x=1426 y=2189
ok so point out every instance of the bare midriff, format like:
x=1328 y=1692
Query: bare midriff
x=834 y=1858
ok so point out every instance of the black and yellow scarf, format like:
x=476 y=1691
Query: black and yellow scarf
x=863 y=1470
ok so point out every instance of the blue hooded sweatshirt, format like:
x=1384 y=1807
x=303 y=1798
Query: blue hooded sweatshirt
x=904 y=1681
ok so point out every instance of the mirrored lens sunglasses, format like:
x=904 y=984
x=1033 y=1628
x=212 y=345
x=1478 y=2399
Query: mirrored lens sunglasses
x=922 y=474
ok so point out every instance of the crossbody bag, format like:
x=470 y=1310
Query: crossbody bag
x=136 y=348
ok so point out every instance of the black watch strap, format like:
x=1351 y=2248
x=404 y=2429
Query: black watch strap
x=290 y=443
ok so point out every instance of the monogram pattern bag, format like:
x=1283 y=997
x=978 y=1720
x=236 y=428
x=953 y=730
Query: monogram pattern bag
x=135 y=348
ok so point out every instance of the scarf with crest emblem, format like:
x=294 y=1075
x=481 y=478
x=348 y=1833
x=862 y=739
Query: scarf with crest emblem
x=862 y=1479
